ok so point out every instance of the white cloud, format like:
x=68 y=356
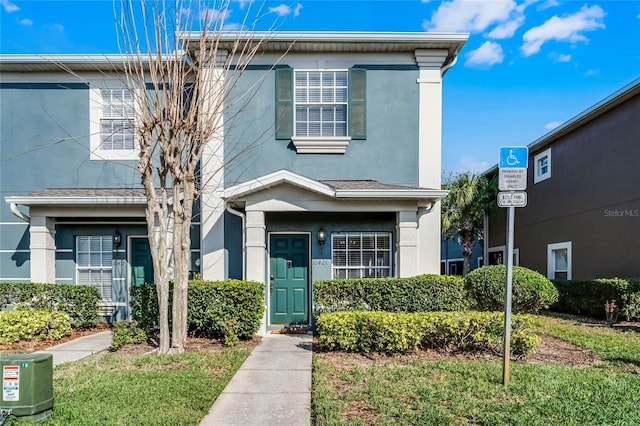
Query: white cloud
x=58 y=27
x=592 y=72
x=507 y=29
x=235 y=26
x=558 y=57
x=552 y=125
x=244 y=3
x=568 y=28
x=473 y=165
x=284 y=10
x=26 y=22
x=548 y=4
x=8 y=6
x=489 y=53
x=473 y=16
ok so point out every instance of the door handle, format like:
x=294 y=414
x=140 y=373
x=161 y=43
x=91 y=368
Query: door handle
x=271 y=284
x=289 y=264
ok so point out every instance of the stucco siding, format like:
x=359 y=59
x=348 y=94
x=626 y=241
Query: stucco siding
x=392 y=134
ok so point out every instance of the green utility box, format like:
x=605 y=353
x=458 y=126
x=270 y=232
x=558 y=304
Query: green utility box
x=27 y=385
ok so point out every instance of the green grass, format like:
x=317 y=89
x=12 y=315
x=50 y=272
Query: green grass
x=609 y=344
x=142 y=390
x=420 y=392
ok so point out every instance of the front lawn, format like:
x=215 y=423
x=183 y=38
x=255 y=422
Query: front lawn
x=446 y=389
x=117 y=389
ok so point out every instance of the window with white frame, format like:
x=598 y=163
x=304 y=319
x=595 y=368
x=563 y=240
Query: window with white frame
x=112 y=124
x=361 y=254
x=542 y=166
x=497 y=255
x=559 y=261
x=94 y=262
x=321 y=100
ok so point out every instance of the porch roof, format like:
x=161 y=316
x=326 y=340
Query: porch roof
x=338 y=189
x=80 y=196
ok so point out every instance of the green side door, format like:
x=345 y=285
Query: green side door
x=289 y=280
x=141 y=263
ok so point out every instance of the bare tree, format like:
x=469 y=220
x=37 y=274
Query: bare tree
x=179 y=95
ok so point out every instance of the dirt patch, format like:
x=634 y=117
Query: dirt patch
x=551 y=351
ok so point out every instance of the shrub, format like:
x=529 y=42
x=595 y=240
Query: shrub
x=376 y=331
x=423 y=293
x=29 y=324
x=80 y=302
x=531 y=291
x=588 y=297
x=228 y=310
x=124 y=333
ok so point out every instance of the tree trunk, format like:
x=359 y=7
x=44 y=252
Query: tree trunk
x=181 y=250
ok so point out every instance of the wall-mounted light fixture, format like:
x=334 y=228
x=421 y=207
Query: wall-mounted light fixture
x=322 y=236
x=117 y=239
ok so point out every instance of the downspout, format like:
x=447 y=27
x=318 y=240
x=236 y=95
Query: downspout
x=18 y=213
x=244 y=246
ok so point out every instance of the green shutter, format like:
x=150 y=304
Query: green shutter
x=358 y=103
x=284 y=103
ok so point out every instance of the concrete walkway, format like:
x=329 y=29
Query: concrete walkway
x=272 y=387
x=79 y=348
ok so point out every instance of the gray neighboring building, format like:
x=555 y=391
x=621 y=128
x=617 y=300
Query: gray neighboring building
x=332 y=170
x=582 y=219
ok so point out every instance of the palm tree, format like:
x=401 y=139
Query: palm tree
x=470 y=197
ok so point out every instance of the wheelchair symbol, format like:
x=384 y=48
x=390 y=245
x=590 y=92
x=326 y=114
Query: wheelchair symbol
x=512 y=160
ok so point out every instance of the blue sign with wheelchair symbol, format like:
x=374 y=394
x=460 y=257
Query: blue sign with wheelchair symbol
x=514 y=157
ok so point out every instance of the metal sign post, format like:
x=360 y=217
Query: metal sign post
x=512 y=177
x=506 y=342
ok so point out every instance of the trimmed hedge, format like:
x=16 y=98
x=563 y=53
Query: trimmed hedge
x=589 y=296
x=359 y=331
x=424 y=293
x=531 y=291
x=80 y=302
x=229 y=310
x=30 y=324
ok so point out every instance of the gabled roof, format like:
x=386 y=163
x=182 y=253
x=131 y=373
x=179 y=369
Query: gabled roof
x=339 y=189
x=607 y=104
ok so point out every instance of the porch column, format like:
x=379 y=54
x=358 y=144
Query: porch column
x=407 y=243
x=42 y=232
x=430 y=62
x=212 y=206
x=256 y=247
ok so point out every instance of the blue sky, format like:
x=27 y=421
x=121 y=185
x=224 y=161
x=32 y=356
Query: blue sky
x=527 y=67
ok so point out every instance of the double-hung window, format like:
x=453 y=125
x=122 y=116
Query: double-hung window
x=94 y=262
x=113 y=124
x=321 y=103
x=559 y=261
x=361 y=254
x=542 y=166
x=320 y=111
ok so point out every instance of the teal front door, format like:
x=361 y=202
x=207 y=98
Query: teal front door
x=289 y=279
x=141 y=263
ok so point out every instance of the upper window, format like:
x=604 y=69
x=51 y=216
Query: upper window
x=94 y=263
x=321 y=103
x=361 y=254
x=542 y=166
x=320 y=111
x=497 y=256
x=112 y=125
x=559 y=261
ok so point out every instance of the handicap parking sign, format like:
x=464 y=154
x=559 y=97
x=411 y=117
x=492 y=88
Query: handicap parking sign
x=513 y=157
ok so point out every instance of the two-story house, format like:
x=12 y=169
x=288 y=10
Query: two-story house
x=331 y=170
x=582 y=216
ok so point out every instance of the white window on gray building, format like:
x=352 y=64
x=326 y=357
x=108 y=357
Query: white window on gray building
x=94 y=262
x=542 y=166
x=361 y=254
x=559 y=261
x=321 y=101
